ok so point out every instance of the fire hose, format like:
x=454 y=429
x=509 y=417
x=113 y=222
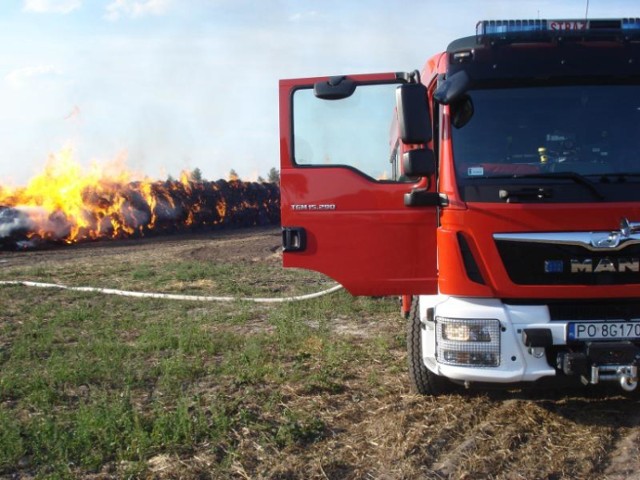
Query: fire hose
x=173 y=296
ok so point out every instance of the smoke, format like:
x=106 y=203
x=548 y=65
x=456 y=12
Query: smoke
x=22 y=222
x=18 y=224
x=13 y=220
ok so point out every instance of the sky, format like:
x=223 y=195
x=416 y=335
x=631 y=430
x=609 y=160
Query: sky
x=172 y=85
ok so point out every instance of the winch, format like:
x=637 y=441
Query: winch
x=603 y=361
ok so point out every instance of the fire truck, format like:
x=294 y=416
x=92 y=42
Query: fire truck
x=496 y=191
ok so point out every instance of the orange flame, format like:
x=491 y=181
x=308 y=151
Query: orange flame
x=65 y=203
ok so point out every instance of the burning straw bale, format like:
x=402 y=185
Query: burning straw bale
x=115 y=210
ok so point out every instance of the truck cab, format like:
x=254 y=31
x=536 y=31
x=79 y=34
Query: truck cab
x=497 y=191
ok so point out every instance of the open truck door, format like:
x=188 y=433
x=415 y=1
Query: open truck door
x=343 y=187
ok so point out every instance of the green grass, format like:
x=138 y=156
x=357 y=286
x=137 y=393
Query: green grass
x=96 y=386
x=92 y=383
x=185 y=277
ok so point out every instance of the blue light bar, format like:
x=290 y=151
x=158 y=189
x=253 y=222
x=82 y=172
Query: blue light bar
x=631 y=24
x=506 y=27
x=488 y=27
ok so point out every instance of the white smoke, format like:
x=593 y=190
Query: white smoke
x=10 y=220
x=19 y=220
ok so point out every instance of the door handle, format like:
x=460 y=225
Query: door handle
x=294 y=239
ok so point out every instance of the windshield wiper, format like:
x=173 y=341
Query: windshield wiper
x=576 y=177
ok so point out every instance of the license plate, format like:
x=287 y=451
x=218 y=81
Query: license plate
x=603 y=331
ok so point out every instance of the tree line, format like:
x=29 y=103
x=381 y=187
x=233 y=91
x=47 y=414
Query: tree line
x=196 y=175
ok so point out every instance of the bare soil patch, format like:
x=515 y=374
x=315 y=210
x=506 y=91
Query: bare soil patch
x=245 y=245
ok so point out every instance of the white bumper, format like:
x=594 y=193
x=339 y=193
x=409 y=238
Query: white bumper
x=518 y=363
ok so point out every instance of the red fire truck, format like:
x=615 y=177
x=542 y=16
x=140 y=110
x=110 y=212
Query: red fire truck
x=502 y=205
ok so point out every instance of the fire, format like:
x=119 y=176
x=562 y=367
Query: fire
x=67 y=204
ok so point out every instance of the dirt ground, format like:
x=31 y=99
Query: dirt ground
x=389 y=432
x=254 y=244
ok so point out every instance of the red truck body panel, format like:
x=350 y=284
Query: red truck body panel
x=478 y=222
x=358 y=230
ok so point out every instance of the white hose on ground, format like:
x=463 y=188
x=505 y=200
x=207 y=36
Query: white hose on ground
x=172 y=296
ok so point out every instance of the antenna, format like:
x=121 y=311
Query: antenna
x=586 y=14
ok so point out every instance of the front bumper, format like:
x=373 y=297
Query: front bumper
x=531 y=345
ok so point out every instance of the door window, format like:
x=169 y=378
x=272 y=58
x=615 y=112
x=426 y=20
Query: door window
x=358 y=131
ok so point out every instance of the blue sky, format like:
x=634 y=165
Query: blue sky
x=180 y=84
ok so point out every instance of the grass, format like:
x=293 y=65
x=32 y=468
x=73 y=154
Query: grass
x=96 y=386
x=176 y=277
x=93 y=383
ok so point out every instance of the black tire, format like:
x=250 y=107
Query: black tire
x=423 y=380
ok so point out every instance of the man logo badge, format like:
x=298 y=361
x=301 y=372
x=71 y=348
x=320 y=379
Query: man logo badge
x=610 y=265
x=597 y=265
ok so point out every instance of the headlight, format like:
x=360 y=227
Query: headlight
x=468 y=342
x=463 y=332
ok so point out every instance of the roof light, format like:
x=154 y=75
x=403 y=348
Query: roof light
x=631 y=24
x=493 y=27
x=487 y=27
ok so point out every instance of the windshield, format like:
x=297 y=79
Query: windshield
x=549 y=133
x=582 y=129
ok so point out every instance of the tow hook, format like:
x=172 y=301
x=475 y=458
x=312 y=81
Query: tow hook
x=628 y=378
x=627 y=375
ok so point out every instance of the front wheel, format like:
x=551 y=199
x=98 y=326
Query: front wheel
x=423 y=380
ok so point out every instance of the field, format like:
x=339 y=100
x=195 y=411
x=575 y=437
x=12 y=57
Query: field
x=100 y=386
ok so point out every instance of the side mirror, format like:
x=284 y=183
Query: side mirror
x=452 y=88
x=418 y=163
x=413 y=113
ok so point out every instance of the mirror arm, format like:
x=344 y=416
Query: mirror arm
x=409 y=77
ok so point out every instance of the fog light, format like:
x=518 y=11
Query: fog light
x=479 y=359
x=468 y=342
